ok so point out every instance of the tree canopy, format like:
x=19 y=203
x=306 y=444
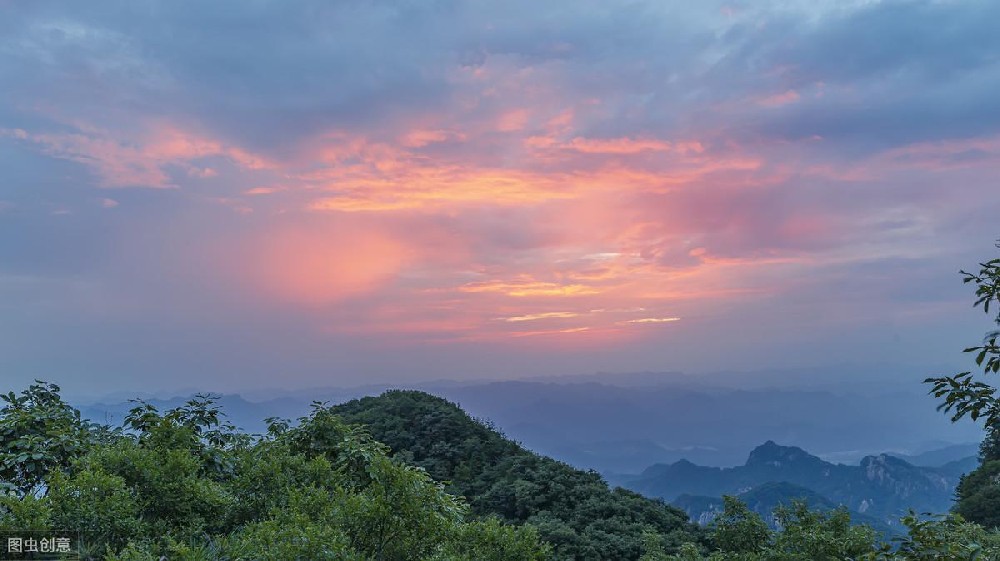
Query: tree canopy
x=183 y=485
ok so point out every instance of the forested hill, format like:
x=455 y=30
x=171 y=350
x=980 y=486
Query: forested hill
x=574 y=510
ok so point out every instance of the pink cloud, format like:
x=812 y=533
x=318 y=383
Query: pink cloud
x=777 y=100
x=262 y=190
x=421 y=137
x=142 y=160
x=512 y=121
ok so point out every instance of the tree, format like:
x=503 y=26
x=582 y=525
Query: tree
x=989 y=450
x=740 y=530
x=39 y=432
x=963 y=394
x=820 y=536
x=979 y=495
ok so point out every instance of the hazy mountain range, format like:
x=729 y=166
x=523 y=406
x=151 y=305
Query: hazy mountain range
x=879 y=449
x=881 y=487
x=624 y=423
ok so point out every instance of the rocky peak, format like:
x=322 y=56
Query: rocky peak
x=775 y=455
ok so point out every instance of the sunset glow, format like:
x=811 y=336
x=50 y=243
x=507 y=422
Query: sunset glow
x=643 y=180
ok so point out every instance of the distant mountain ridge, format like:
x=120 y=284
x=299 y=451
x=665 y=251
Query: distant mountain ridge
x=882 y=487
x=941 y=456
x=592 y=423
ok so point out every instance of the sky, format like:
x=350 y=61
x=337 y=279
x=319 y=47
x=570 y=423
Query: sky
x=263 y=194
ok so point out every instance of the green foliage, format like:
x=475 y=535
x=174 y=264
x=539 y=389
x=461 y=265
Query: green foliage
x=807 y=535
x=989 y=449
x=946 y=538
x=740 y=530
x=184 y=484
x=39 y=433
x=979 y=495
x=820 y=536
x=96 y=503
x=26 y=513
x=962 y=394
x=490 y=539
x=290 y=536
x=573 y=510
x=653 y=550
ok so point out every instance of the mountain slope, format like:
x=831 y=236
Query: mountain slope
x=883 y=486
x=763 y=500
x=574 y=510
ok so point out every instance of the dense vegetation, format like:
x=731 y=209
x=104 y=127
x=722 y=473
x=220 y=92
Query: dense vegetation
x=765 y=499
x=573 y=510
x=182 y=485
x=739 y=534
x=500 y=477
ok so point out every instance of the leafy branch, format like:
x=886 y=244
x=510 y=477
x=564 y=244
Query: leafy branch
x=962 y=394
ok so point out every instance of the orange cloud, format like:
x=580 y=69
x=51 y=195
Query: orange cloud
x=653 y=320
x=617 y=145
x=262 y=191
x=529 y=288
x=423 y=186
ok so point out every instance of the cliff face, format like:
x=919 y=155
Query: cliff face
x=883 y=487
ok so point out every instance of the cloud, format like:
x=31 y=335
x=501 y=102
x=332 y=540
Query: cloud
x=524 y=288
x=142 y=162
x=449 y=173
x=653 y=320
x=777 y=100
x=540 y=316
x=617 y=145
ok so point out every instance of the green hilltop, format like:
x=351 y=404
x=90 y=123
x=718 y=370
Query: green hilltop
x=574 y=510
